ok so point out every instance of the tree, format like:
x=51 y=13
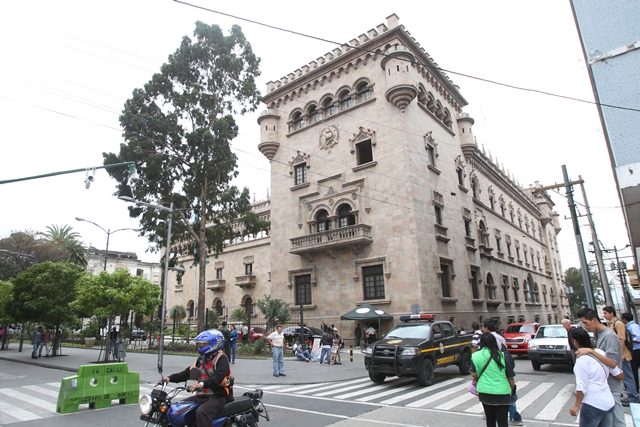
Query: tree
x=65 y=237
x=275 y=311
x=109 y=294
x=578 y=299
x=177 y=314
x=6 y=300
x=178 y=130
x=23 y=249
x=240 y=315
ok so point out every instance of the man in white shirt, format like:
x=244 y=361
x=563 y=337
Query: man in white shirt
x=276 y=339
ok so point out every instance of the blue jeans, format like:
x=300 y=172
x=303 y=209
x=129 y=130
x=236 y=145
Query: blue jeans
x=278 y=360
x=629 y=382
x=514 y=415
x=234 y=348
x=303 y=356
x=594 y=417
x=324 y=354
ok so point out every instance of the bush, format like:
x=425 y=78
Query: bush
x=258 y=347
x=180 y=347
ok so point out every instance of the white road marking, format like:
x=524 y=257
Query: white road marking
x=41 y=390
x=423 y=390
x=297 y=388
x=17 y=412
x=392 y=390
x=532 y=396
x=437 y=396
x=46 y=405
x=334 y=386
x=553 y=408
x=369 y=390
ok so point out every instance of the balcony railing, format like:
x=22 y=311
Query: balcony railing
x=353 y=235
x=216 y=284
x=247 y=281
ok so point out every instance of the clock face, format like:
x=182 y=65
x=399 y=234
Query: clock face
x=328 y=138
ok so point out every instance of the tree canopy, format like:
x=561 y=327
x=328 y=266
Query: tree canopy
x=578 y=299
x=65 y=237
x=275 y=311
x=6 y=300
x=178 y=130
x=23 y=249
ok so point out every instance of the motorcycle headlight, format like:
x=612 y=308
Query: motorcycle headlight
x=367 y=350
x=145 y=404
x=410 y=351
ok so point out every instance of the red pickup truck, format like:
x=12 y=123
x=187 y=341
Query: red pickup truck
x=518 y=336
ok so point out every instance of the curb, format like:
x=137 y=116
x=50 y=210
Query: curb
x=39 y=364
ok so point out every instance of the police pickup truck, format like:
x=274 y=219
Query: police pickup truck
x=415 y=347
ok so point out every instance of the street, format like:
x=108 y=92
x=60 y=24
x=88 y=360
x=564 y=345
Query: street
x=28 y=396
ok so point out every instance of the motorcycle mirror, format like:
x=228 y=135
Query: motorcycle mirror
x=195 y=373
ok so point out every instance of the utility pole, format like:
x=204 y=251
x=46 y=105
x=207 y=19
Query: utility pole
x=586 y=280
x=596 y=246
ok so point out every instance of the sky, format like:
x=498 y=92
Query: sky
x=69 y=66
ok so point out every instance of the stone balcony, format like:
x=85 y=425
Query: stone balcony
x=247 y=281
x=345 y=237
x=216 y=284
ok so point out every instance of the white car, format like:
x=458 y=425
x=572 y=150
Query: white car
x=550 y=346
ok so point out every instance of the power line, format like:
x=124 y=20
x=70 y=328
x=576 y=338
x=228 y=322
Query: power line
x=429 y=66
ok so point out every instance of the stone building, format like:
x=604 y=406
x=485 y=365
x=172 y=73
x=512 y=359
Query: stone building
x=122 y=261
x=380 y=194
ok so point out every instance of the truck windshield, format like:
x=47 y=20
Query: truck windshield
x=552 y=332
x=420 y=331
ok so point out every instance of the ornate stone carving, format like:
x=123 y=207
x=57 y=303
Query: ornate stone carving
x=328 y=138
x=362 y=135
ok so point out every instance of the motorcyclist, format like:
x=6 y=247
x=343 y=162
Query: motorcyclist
x=213 y=389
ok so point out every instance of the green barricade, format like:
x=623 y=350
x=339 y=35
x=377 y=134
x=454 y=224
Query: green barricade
x=98 y=385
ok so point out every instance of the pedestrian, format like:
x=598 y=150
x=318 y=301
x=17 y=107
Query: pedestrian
x=609 y=343
x=36 y=340
x=46 y=338
x=620 y=329
x=358 y=334
x=213 y=390
x=634 y=330
x=475 y=339
x=370 y=334
x=301 y=352
x=594 y=400
x=233 y=338
x=325 y=344
x=276 y=339
x=569 y=327
x=245 y=333
x=227 y=339
x=113 y=340
x=494 y=381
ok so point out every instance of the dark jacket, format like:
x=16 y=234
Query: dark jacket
x=213 y=382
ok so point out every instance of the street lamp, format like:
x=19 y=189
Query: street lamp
x=163 y=302
x=108 y=232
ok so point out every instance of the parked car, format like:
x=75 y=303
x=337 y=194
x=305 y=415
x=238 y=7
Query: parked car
x=139 y=334
x=255 y=333
x=293 y=332
x=550 y=346
x=518 y=335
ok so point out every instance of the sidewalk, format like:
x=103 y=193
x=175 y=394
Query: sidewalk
x=245 y=371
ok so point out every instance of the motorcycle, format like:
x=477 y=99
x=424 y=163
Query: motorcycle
x=159 y=410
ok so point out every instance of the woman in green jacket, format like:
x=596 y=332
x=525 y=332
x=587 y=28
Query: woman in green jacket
x=494 y=381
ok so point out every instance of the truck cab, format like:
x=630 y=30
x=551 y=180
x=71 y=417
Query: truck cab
x=415 y=347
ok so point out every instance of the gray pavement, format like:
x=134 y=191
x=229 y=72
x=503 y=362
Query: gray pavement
x=245 y=371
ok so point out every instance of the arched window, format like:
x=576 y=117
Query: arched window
x=491 y=287
x=345 y=99
x=190 y=309
x=431 y=102
x=447 y=118
x=528 y=291
x=345 y=216
x=536 y=293
x=322 y=221
x=218 y=308
x=484 y=234
x=248 y=306
x=439 y=110
x=364 y=91
x=296 y=121
x=312 y=114
x=329 y=107
x=422 y=95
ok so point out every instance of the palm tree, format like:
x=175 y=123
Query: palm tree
x=177 y=313
x=65 y=237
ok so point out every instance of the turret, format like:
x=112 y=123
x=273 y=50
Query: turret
x=269 y=138
x=465 y=131
x=399 y=69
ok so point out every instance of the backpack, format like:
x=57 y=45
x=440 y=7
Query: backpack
x=628 y=338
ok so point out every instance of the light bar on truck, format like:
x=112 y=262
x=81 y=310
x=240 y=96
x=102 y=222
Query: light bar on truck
x=422 y=316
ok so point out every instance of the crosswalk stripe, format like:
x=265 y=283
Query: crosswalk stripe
x=532 y=396
x=16 y=412
x=273 y=387
x=477 y=408
x=41 y=390
x=553 y=408
x=297 y=388
x=422 y=390
x=332 y=386
x=46 y=405
x=327 y=393
x=53 y=385
x=437 y=396
x=392 y=390
x=370 y=389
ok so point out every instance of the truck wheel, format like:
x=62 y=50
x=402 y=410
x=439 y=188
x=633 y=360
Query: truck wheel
x=464 y=366
x=377 y=378
x=535 y=365
x=425 y=376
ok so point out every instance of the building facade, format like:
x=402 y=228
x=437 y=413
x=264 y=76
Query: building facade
x=128 y=261
x=380 y=194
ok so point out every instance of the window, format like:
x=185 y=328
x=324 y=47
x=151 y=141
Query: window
x=447 y=118
x=312 y=114
x=492 y=202
x=323 y=223
x=345 y=216
x=139 y=272
x=364 y=92
x=528 y=291
x=447 y=330
x=373 y=279
x=218 y=308
x=190 y=308
x=248 y=269
x=505 y=287
x=431 y=154
x=218 y=273
x=302 y=289
x=438 y=212
x=502 y=209
x=364 y=152
x=467 y=227
x=474 y=188
x=248 y=306
x=516 y=290
x=518 y=251
x=473 y=281
x=329 y=107
x=445 y=278
x=498 y=243
x=300 y=174
x=460 y=174
x=536 y=293
x=512 y=215
x=484 y=234
x=296 y=121
x=491 y=287
x=345 y=99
